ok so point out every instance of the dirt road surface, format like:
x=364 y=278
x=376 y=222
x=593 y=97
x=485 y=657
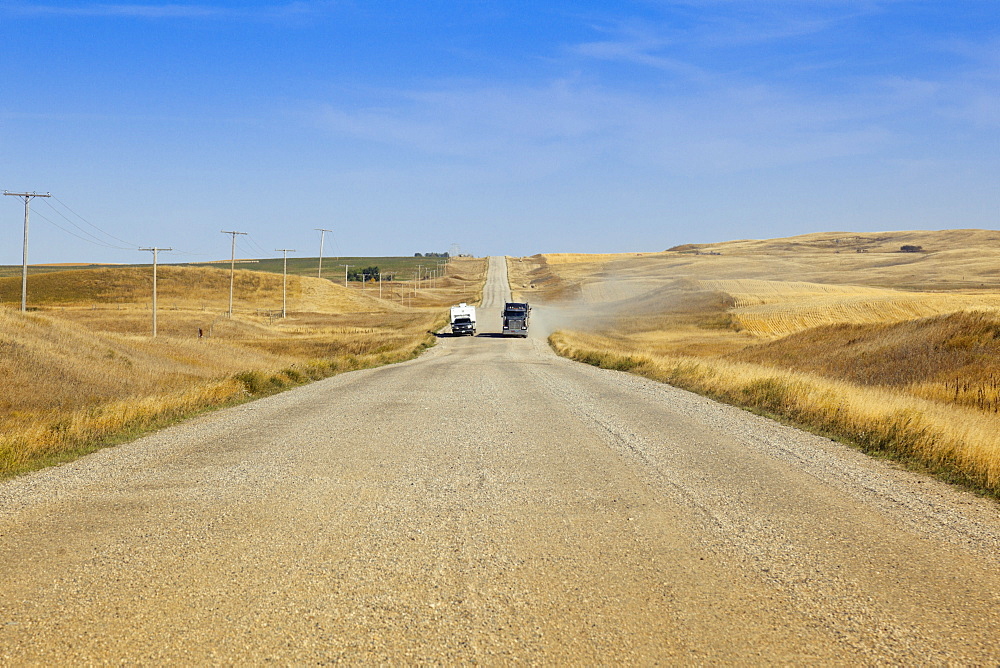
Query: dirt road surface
x=492 y=503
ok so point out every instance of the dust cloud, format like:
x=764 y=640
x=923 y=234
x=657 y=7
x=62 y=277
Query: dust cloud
x=610 y=302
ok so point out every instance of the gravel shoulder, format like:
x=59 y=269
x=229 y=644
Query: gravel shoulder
x=491 y=502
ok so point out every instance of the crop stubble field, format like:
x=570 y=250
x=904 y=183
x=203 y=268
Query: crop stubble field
x=844 y=334
x=82 y=369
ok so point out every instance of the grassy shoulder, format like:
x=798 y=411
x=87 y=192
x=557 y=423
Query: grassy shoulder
x=956 y=442
x=32 y=440
x=83 y=372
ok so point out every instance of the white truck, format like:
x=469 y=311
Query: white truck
x=463 y=320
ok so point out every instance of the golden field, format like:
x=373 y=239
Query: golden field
x=82 y=369
x=897 y=352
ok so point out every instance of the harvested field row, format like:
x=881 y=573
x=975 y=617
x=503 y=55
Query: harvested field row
x=794 y=315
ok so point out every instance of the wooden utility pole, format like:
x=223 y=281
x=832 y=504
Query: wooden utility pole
x=155 y=252
x=232 y=270
x=346 y=267
x=322 y=235
x=24 y=263
x=284 y=280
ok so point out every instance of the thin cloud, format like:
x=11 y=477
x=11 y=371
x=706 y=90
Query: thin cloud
x=639 y=48
x=524 y=132
x=693 y=27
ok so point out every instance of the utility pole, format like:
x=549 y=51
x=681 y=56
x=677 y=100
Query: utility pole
x=232 y=270
x=155 y=253
x=380 y=285
x=24 y=264
x=322 y=235
x=346 y=267
x=284 y=279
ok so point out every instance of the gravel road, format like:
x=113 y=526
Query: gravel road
x=492 y=503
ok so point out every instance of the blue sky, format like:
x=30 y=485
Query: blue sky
x=505 y=127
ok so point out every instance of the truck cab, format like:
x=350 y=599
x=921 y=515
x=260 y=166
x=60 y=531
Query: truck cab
x=515 y=319
x=463 y=320
x=463 y=326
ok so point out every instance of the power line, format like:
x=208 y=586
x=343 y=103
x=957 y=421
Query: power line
x=93 y=240
x=128 y=245
x=257 y=248
x=192 y=254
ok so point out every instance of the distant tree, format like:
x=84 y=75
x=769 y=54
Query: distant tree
x=911 y=249
x=363 y=274
x=418 y=255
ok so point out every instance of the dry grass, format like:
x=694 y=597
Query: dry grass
x=953 y=260
x=576 y=258
x=895 y=351
x=462 y=283
x=82 y=370
x=777 y=308
x=951 y=359
x=180 y=287
x=961 y=444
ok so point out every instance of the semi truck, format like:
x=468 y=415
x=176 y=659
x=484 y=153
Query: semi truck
x=515 y=319
x=463 y=320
